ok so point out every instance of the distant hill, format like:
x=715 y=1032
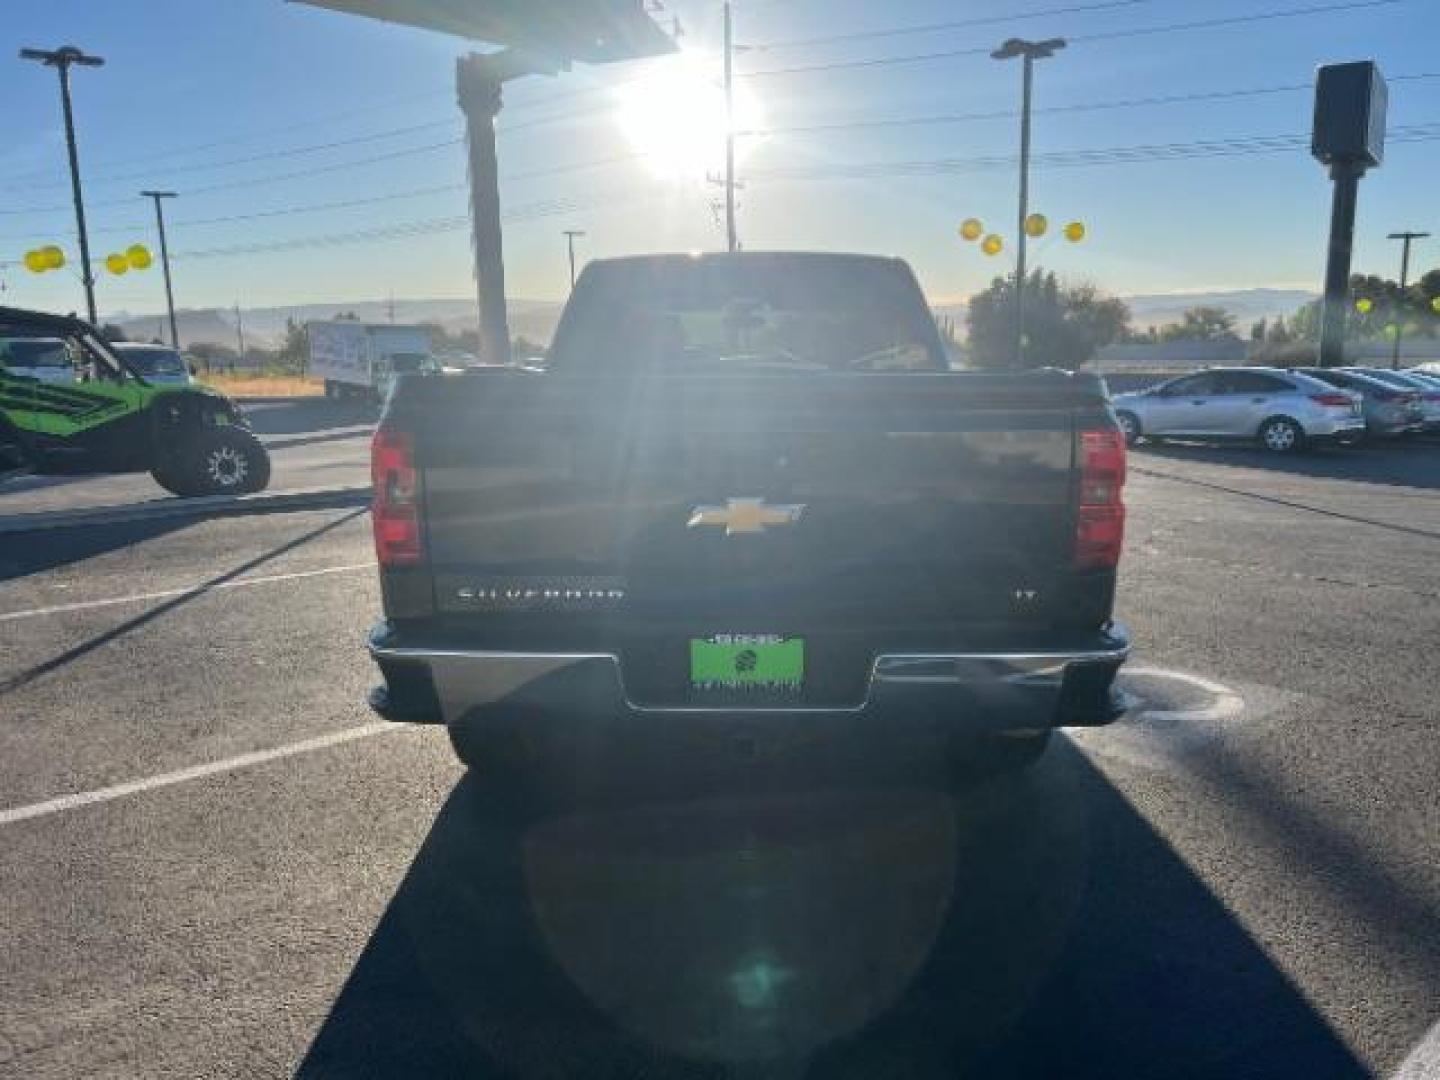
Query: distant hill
x=536 y=319
x=1247 y=305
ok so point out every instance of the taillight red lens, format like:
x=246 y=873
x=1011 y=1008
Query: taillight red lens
x=1100 y=518
x=394 y=508
x=1334 y=401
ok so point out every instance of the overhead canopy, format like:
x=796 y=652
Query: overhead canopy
x=587 y=31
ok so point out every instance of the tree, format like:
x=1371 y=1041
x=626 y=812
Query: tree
x=1259 y=331
x=295 y=351
x=213 y=356
x=1201 y=324
x=1063 y=325
x=1279 y=334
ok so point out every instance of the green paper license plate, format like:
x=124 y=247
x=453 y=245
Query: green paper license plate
x=761 y=662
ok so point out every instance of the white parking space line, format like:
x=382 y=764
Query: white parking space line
x=195 y=772
x=268 y=579
x=1423 y=1062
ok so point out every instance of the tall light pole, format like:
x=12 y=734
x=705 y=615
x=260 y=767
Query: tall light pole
x=61 y=59
x=1029 y=52
x=1407 y=238
x=731 y=239
x=570 y=235
x=165 y=260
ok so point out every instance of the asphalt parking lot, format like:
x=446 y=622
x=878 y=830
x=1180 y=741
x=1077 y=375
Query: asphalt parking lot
x=216 y=863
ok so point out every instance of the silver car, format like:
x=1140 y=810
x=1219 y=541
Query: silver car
x=1282 y=410
x=1390 y=411
x=154 y=363
x=1429 y=399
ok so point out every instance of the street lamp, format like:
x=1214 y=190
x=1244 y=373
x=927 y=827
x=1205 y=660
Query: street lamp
x=1408 y=238
x=1029 y=52
x=61 y=59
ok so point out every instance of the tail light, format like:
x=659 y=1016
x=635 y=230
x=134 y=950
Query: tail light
x=395 y=507
x=1100 y=519
x=1332 y=401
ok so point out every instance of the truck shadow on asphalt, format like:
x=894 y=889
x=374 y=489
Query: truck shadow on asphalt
x=71 y=545
x=290 y=443
x=46 y=549
x=1290 y=504
x=1404 y=464
x=1030 y=926
x=305 y=416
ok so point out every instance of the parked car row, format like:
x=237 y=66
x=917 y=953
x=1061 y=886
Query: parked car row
x=1284 y=410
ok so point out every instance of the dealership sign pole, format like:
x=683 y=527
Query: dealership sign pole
x=1349 y=137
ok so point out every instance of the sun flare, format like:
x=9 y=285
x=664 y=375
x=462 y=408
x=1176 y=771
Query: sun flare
x=674 y=118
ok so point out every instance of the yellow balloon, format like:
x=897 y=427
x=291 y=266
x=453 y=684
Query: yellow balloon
x=971 y=228
x=138 y=256
x=1036 y=224
x=1075 y=231
x=1435 y=305
x=1363 y=305
x=992 y=245
x=117 y=264
x=35 y=262
x=54 y=257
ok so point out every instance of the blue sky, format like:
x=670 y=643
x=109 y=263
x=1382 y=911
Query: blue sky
x=225 y=103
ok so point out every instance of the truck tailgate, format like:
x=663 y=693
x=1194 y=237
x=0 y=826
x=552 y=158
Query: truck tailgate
x=832 y=501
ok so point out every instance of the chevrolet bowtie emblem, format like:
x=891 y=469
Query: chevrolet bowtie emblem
x=745 y=516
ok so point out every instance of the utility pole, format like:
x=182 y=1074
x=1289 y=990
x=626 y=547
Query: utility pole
x=730 y=236
x=61 y=59
x=165 y=260
x=1029 y=52
x=570 y=235
x=1407 y=238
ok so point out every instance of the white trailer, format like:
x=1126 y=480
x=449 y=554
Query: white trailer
x=363 y=359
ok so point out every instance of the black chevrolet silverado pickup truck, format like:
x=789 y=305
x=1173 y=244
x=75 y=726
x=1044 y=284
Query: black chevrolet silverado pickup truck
x=746 y=493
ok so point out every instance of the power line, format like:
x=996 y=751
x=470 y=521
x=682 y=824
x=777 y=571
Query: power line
x=1247 y=145
x=189 y=148
x=1254 y=144
x=1077 y=107
x=267 y=155
x=405 y=230
x=1143 y=31
x=341 y=165
x=934 y=28
x=272 y=179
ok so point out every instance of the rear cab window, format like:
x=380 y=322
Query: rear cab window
x=760 y=313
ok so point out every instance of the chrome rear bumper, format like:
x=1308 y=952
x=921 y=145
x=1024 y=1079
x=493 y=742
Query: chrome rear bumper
x=1063 y=683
